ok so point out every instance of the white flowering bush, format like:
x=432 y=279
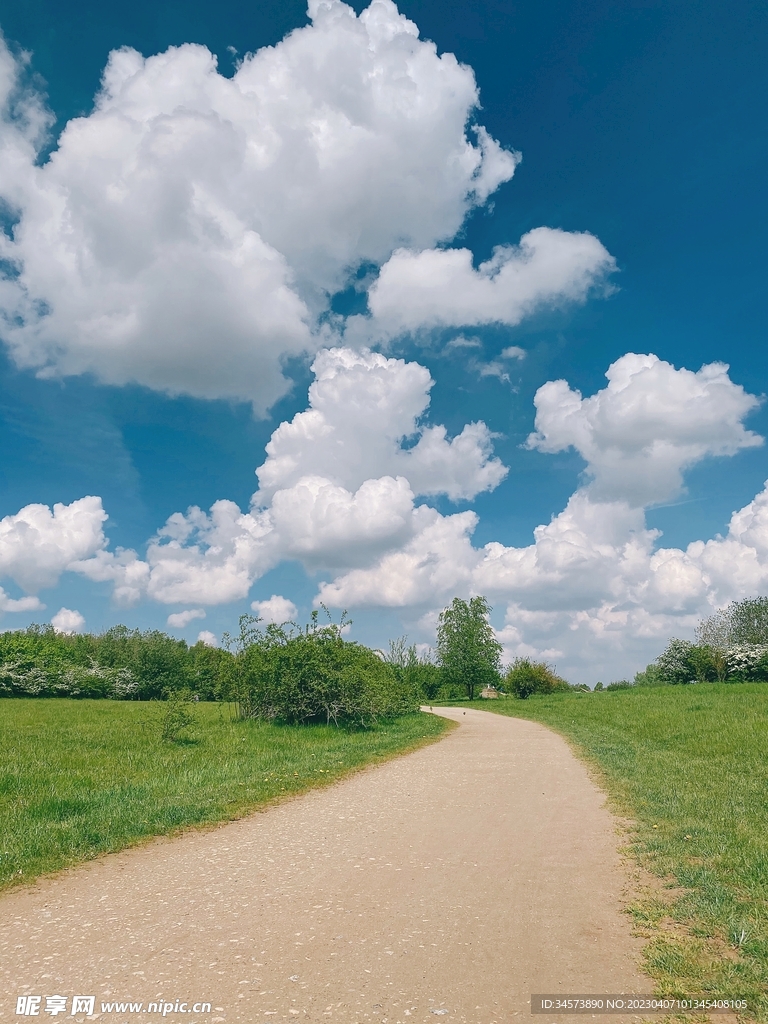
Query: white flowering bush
x=744 y=660
x=18 y=679
x=674 y=664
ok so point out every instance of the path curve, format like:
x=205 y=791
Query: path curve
x=460 y=878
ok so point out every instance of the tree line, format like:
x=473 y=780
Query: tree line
x=273 y=672
x=729 y=646
x=299 y=674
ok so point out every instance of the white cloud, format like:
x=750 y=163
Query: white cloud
x=492 y=369
x=437 y=561
x=276 y=609
x=123 y=568
x=362 y=407
x=461 y=341
x=210 y=558
x=323 y=524
x=205 y=636
x=594 y=590
x=651 y=423
x=441 y=288
x=336 y=489
x=21 y=604
x=37 y=544
x=185 y=234
x=513 y=352
x=180 y=620
x=67 y=620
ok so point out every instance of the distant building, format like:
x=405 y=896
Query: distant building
x=489 y=693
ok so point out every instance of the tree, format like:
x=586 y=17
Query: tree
x=467 y=649
x=740 y=623
x=748 y=621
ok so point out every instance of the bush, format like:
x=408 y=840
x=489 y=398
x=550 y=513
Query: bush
x=178 y=714
x=650 y=676
x=313 y=675
x=684 y=662
x=525 y=677
x=120 y=663
x=674 y=663
x=419 y=673
x=731 y=646
x=747 y=662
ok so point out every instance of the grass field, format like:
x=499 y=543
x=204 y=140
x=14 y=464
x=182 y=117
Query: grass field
x=690 y=765
x=80 y=778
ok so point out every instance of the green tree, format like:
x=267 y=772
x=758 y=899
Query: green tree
x=748 y=621
x=210 y=670
x=468 y=652
x=740 y=623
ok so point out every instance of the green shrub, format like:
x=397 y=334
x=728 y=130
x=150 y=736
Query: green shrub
x=525 y=677
x=284 y=674
x=120 y=663
x=178 y=714
x=418 y=672
x=650 y=676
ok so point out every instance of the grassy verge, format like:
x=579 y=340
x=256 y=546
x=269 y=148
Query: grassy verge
x=81 y=778
x=690 y=765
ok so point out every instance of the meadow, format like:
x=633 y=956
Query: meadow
x=689 y=766
x=79 y=778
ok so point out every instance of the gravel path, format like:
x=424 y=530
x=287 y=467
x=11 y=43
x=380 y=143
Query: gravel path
x=449 y=884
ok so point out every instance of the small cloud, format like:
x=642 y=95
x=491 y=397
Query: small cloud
x=492 y=369
x=66 y=620
x=462 y=342
x=277 y=609
x=179 y=620
x=205 y=636
x=513 y=352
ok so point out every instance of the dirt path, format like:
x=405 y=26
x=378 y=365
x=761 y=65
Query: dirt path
x=449 y=884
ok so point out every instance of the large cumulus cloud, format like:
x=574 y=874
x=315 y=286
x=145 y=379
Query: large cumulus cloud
x=338 y=488
x=651 y=423
x=185 y=234
x=188 y=232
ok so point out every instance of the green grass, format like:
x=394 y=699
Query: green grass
x=689 y=764
x=81 y=778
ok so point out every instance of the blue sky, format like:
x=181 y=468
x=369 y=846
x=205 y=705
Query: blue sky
x=163 y=302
